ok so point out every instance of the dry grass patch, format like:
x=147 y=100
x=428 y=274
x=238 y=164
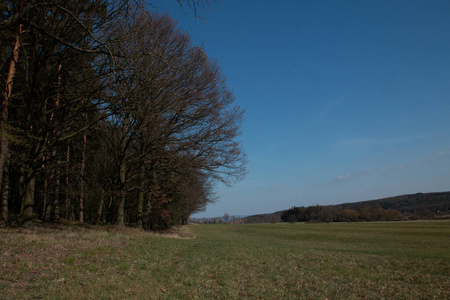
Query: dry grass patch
x=401 y=260
x=41 y=261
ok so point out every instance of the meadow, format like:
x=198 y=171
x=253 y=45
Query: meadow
x=380 y=260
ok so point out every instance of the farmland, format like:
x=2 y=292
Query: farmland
x=393 y=260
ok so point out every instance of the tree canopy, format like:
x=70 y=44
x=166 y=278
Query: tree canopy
x=110 y=115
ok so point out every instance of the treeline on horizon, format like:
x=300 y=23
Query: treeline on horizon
x=405 y=207
x=418 y=206
x=338 y=214
x=110 y=115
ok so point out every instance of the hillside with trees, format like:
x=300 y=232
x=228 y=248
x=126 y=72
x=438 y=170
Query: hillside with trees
x=412 y=207
x=110 y=115
x=405 y=207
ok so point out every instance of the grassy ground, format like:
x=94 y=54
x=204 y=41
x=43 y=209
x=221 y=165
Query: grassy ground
x=397 y=260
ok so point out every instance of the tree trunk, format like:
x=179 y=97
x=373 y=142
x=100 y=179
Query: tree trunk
x=56 y=194
x=100 y=207
x=83 y=159
x=66 y=183
x=5 y=194
x=123 y=173
x=140 y=215
x=26 y=210
x=141 y=198
x=4 y=144
x=148 y=208
x=47 y=203
x=121 y=207
x=57 y=172
x=108 y=210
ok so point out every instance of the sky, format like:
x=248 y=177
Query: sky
x=344 y=101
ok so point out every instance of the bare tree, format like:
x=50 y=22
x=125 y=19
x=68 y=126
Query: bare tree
x=164 y=105
x=171 y=99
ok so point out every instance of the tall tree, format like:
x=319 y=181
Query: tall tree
x=168 y=118
x=173 y=101
x=60 y=39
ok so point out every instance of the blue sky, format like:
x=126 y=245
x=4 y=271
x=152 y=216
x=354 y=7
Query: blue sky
x=345 y=100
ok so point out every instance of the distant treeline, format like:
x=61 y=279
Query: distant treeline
x=410 y=205
x=227 y=219
x=405 y=207
x=336 y=214
x=416 y=206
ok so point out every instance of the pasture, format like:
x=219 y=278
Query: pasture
x=390 y=260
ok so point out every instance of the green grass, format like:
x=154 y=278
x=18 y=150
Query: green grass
x=392 y=260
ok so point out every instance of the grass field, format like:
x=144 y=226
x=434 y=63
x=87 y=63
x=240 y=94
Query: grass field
x=392 y=260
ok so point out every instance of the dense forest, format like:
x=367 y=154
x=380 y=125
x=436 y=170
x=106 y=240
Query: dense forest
x=410 y=205
x=405 y=207
x=109 y=115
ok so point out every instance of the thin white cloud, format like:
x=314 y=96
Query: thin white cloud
x=437 y=158
x=351 y=175
x=356 y=142
x=366 y=172
x=394 y=168
x=329 y=107
x=274 y=187
x=371 y=141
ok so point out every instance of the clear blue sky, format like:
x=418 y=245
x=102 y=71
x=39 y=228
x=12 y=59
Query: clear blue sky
x=345 y=100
